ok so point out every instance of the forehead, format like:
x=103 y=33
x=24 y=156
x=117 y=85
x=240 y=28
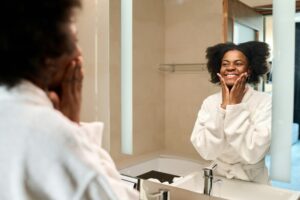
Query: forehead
x=233 y=55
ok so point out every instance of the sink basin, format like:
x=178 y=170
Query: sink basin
x=235 y=189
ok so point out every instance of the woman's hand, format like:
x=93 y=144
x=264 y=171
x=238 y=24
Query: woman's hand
x=225 y=92
x=236 y=93
x=238 y=90
x=68 y=99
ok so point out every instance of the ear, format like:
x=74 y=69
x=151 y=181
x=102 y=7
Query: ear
x=50 y=65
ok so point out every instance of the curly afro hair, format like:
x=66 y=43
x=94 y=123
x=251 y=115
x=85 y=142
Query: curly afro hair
x=31 y=31
x=256 y=52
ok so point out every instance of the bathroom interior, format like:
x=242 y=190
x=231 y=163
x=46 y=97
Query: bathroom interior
x=149 y=119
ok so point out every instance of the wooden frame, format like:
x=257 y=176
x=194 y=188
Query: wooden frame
x=225 y=20
x=234 y=10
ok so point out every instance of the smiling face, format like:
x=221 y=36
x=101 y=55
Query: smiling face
x=233 y=65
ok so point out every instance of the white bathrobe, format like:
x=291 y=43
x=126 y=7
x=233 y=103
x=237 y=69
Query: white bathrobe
x=237 y=138
x=45 y=156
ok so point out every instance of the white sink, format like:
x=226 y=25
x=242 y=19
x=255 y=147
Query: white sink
x=236 y=189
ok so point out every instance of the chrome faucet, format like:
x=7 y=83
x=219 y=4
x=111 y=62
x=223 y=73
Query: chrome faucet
x=208 y=178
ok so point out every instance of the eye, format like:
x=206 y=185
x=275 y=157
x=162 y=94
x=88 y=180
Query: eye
x=224 y=64
x=239 y=63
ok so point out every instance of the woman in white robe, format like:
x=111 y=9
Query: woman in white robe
x=45 y=152
x=233 y=127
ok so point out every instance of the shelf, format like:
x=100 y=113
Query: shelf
x=173 y=67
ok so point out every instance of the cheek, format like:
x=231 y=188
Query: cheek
x=221 y=70
x=58 y=74
x=246 y=69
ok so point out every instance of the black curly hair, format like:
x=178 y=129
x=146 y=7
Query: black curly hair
x=256 y=53
x=31 y=31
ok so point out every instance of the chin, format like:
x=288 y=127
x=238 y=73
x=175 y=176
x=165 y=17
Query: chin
x=230 y=83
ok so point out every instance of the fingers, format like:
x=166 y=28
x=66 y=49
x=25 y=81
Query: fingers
x=225 y=92
x=241 y=81
x=54 y=99
x=71 y=90
x=78 y=76
x=73 y=76
x=222 y=81
x=239 y=89
x=243 y=78
x=221 y=78
x=69 y=79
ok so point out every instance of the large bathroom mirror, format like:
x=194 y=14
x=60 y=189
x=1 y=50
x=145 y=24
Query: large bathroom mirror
x=169 y=77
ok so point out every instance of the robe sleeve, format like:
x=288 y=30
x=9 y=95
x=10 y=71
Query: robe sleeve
x=111 y=185
x=208 y=135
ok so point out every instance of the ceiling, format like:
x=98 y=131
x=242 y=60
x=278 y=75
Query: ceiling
x=265 y=6
x=254 y=3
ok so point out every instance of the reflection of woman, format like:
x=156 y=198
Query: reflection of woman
x=233 y=127
x=45 y=153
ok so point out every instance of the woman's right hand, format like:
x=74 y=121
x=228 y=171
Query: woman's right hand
x=68 y=98
x=225 y=92
x=236 y=93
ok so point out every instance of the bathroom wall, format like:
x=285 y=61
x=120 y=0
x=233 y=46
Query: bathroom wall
x=93 y=35
x=148 y=82
x=190 y=27
x=165 y=105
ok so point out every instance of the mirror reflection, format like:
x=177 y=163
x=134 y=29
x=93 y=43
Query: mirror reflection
x=171 y=80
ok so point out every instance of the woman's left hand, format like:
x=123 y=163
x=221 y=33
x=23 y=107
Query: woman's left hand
x=238 y=90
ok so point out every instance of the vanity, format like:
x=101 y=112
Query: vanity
x=192 y=187
x=178 y=178
x=235 y=189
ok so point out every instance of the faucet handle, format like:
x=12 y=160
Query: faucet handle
x=212 y=166
x=208 y=171
x=208 y=178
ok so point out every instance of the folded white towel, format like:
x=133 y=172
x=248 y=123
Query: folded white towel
x=154 y=180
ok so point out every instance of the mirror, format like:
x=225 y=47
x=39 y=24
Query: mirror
x=175 y=33
x=168 y=34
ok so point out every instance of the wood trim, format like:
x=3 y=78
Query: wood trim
x=225 y=20
x=245 y=15
x=256 y=35
x=267 y=9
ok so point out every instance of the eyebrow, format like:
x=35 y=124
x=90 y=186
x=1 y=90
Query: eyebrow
x=233 y=61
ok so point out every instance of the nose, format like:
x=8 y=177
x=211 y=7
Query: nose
x=230 y=67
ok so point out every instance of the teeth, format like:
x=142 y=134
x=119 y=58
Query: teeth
x=231 y=75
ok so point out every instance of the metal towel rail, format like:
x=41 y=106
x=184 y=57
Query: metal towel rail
x=173 y=67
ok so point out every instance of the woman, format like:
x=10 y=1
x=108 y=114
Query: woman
x=233 y=127
x=45 y=152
